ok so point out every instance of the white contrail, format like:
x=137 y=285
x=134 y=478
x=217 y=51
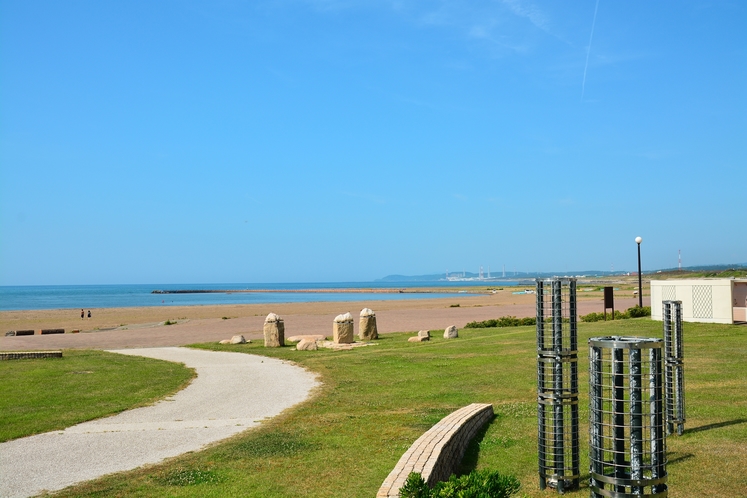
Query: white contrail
x=588 y=50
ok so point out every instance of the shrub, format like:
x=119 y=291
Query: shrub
x=415 y=487
x=634 y=312
x=639 y=311
x=476 y=484
x=504 y=321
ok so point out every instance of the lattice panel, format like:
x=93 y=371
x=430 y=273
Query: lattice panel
x=702 y=301
x=668 y=293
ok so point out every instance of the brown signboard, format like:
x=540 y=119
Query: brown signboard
x=609 y=298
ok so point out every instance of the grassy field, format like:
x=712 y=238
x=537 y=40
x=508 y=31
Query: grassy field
x=377 y=400
x=40 y=395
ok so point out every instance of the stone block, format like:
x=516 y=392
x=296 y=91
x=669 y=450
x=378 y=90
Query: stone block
x=417 y=338
x=451 y=332
x=274 y=331
x=307 y=345
x=343 y=331
x=367 y=326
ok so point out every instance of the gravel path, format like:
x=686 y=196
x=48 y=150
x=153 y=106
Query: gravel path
x=232 y=392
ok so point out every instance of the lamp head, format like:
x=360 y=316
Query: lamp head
x=638 y=240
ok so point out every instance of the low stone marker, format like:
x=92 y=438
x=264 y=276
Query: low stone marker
x=307 y=345
x=367 y=326
x=343 y=330
x=237 y=339
x=52 y=331
x=24 y=332
x=274 y=331
x=451 y=332
x=422 y=336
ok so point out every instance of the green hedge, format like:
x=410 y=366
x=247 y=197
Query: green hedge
x=504 y=321
x=634 y=312
x=512 y=321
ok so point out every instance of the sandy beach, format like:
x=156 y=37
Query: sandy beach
x=144 y=326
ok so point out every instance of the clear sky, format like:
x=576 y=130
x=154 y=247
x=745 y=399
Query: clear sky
x=345 y=140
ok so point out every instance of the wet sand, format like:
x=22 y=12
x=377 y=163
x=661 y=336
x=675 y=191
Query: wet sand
x=144 y=326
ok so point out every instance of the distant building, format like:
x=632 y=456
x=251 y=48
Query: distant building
x=708 y=300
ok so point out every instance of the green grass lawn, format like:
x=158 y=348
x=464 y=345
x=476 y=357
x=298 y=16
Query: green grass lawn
x=40 y=395
x=377 y=400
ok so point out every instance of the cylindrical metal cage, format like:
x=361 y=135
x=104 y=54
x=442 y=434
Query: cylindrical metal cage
x=627 y=444
x=557 y=384
x=674 y=380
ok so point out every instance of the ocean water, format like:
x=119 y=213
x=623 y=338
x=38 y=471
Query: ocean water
x=42 y=297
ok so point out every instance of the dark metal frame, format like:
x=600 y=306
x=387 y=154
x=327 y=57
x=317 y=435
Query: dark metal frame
x=627 y=444
x=557 y=384
x=674 y=383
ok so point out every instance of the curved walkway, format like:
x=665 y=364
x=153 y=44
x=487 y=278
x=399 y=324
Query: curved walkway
x=232 y=392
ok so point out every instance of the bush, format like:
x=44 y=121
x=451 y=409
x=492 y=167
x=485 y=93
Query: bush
x=598 y=317
x=634 y=312
x=512 y=321
x=476 y=484
x=415 y=487
x=639 y=311
x=504 y=321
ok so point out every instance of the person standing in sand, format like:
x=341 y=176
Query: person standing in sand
x=82 y=315
x=89 y=314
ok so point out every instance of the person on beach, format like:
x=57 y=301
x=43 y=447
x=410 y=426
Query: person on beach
x=82 y=315
x=89 y=314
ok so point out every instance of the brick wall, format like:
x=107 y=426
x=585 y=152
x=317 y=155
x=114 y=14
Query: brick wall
x=437 y=453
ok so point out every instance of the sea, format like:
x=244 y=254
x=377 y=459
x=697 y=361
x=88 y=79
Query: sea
x=43 y=297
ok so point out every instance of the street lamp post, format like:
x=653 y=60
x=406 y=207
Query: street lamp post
x=638 y=241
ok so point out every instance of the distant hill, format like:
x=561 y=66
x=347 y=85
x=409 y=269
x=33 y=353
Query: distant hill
x=709 y=270
x=412 y=278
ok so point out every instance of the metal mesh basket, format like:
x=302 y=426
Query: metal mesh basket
x=627 y=444
x=557 y=384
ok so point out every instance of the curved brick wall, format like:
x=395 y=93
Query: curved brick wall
x=438 y=452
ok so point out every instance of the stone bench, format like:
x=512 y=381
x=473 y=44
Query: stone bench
x=25 y=355
x=437 y=453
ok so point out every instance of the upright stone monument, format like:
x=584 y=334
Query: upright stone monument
x=274 y=330
x=342 y=329
x=367 y=329
x=451 y=332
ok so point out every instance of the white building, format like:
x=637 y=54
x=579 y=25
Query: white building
x=709 y=300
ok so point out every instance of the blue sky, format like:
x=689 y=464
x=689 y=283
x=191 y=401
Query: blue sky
x=333 y=140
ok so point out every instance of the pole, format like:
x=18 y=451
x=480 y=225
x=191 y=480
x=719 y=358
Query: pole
x=640 y=280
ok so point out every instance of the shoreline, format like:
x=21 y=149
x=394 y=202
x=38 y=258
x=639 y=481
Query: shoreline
x=111 y=328
x=366 y=290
